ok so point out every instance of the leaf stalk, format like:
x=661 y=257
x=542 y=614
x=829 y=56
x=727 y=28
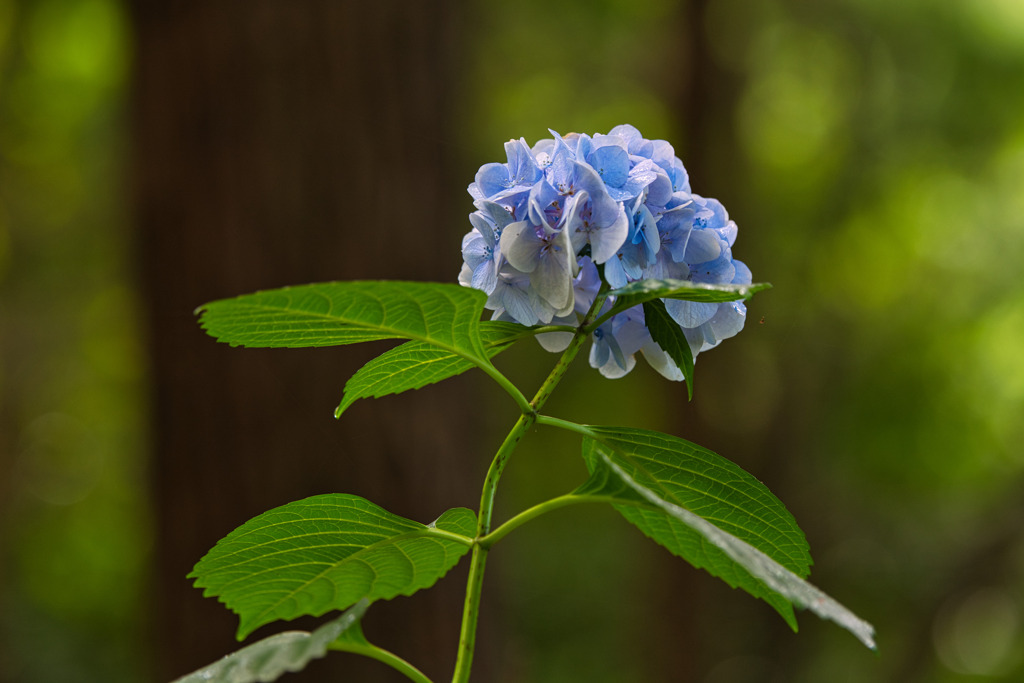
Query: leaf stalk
x=383 y=656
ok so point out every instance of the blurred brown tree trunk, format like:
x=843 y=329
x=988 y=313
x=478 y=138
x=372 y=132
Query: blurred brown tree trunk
x=707 y=630
x=278 y=143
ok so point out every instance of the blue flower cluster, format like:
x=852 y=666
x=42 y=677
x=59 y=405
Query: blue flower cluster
x=552 y=214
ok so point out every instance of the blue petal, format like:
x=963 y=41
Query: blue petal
x=542 y=152
x=743 y=275
x=690 y=313
x=603 y=208
x=584 y=146
x=516 y=302
x=728 y=232
x=484 y=227
x=573 y=223
x=561 y=172
x=492 y=178
x=659 y=192
x=721 y=271
x=620 y=194
x=703 y=245
x=475 y=251
x=615 y=272
x=485 y=276
x=586 y=285
x=497 y=213
x=663 y=154
x=611 y=163
x=628 y=133
x=640 y=176
x=545 y=205
x=510 y=294
x=522 y=167
x=650 y=235
x=607 y=356
x=630 y=332
x=600 y=350
x=728 y=321
x=680 y=178
x=604 y=243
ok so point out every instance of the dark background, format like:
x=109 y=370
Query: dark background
x=157 y=155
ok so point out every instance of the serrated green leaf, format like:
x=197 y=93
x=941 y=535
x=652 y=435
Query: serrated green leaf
x=646 y=290
x=326 y=553
x=669 y=336
x=707 y=510
x=267 y=659
x=416 y=364
x=334 y=313
x=691 y=477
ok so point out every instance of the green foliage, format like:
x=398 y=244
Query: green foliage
x=712 y=513
x=670 y=338
x=329 y=552
x=325 y=553
x=647 y=290
x=268 y=659
x=706 y=484
x=416 y=364
x=336 y=313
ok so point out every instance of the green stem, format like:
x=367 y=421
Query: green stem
x=555 y=503
x=543 y=329
x=526 y=515
x=385 y=657
x=543 y=508
x=474 y=585
x=478 y=560
x=601 y=320
x=566 y=425
x=506 y=384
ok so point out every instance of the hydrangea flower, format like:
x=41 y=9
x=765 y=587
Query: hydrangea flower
x=556 y=218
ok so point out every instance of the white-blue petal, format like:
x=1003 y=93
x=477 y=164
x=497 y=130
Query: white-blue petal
x=521 y=246
x=728 y=321
x=485 y=276
x=690 y=313
x=516 y=303
x=552 y=277
x=660 y=361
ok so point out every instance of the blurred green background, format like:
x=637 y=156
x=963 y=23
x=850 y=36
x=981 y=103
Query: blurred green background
x=872 y=154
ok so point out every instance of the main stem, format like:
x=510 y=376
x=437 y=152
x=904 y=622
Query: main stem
x=474 y=585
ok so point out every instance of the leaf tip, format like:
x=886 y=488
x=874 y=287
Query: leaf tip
x=246 y=627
